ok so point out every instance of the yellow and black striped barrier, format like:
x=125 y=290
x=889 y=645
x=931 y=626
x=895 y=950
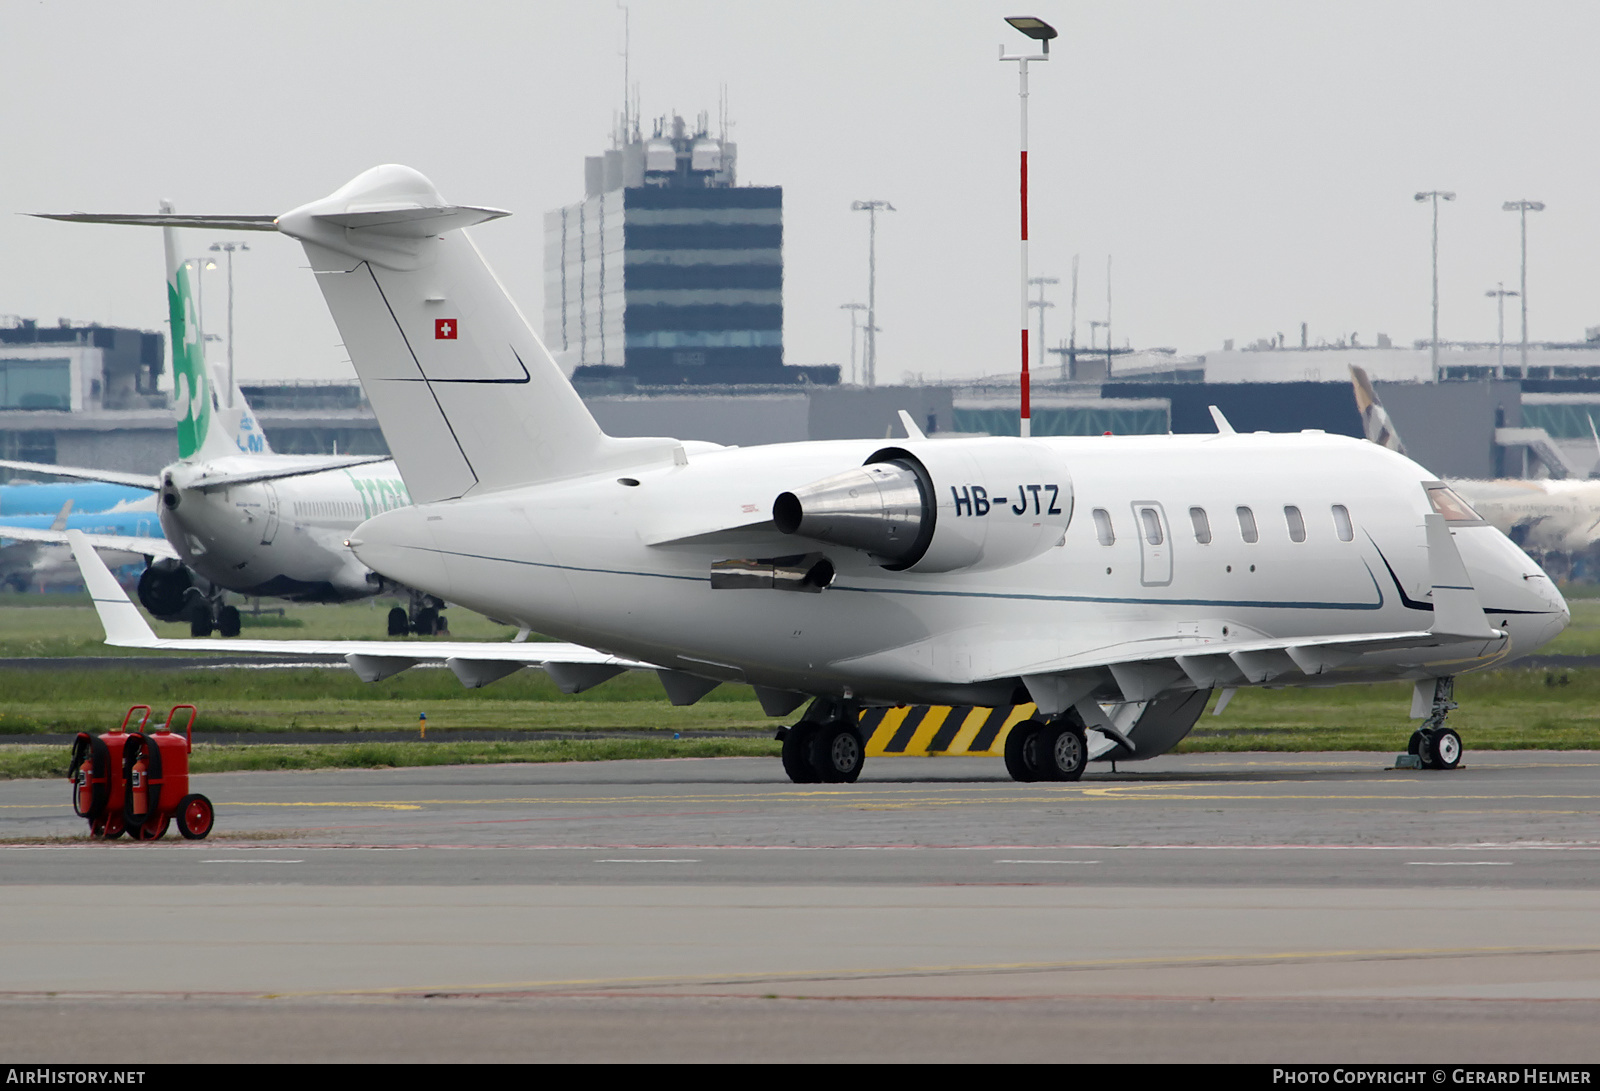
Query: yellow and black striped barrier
x=921 y=730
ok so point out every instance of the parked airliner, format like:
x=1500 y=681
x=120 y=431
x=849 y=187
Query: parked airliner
x=1112 y=581
x=238 y=517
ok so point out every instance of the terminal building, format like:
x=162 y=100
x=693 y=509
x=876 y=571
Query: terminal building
x=669 y=272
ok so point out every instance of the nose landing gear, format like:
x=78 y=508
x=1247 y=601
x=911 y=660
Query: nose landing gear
x=1433 y=745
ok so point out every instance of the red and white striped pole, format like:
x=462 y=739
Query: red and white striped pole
x=1041 y=31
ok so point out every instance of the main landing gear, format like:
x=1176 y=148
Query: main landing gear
x=208 y=615
x=826 y=746
x=1047 y=750
x=1434 y=745
x=422 y=616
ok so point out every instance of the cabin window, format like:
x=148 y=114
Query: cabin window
x=1247 y=525
x=1296 y=521
x=1447 y=503
x=1102 y=526
x=1152 y=525
x=1202 y=525
x=1341 y=523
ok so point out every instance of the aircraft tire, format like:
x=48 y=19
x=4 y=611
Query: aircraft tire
x=228 y=623
x=1424 y=749
x=1444 y=749
x=797 y=753
x=1022 y=750
x=1061 y=752
x=426 y=620
x=200 y=621
x=837 y=753
x=399 y=624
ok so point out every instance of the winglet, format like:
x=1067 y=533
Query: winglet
x=1223 y=427
x=124 y=626
x=60 y=521
x=1457 y=612
x=912 y=431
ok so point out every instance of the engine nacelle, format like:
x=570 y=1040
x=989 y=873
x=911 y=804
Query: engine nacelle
x=167 y=587
x=940 y=505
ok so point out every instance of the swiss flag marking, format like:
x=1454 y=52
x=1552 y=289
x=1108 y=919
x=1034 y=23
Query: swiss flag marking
x=444 y=329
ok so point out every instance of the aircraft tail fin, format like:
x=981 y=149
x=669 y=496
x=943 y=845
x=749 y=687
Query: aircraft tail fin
x=467 y=396
x=1374 y=418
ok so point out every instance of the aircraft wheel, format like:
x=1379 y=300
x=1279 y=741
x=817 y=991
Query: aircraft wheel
x=1444 y=749
x=399 y=624
x=200 y=622
x=228 y=623
x=1022 y=751
x=426 y=620
x=195 y=817
x=797 y=753
x=837 y=754
x=1414 y=746
x=1062 y=752
x=1425 y=748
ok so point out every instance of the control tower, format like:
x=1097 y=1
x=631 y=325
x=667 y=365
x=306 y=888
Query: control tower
x=668 y=271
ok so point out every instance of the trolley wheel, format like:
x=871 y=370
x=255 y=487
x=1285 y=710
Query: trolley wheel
x=150 y=829
x=195 y=816
x=114 y=826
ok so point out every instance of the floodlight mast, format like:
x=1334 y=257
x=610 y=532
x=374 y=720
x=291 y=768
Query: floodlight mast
x=1524 y=207
x=1039 y=31
x=1435 y=195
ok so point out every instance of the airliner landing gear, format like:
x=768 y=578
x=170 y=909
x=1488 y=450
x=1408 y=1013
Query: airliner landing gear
x=207 y=614
x=825 y=747
x=422 y=617
x=1057 y=750
x=1435 y=745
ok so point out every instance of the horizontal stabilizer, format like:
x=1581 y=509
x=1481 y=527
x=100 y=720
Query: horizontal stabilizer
x=110 y=477
x=165 y=219
x=207 y=482
x=414 y=221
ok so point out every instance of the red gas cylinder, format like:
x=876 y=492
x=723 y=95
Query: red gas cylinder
x=96 y=771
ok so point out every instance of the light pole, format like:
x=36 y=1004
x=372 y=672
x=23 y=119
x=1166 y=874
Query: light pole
x=871 y=208
x=854 y=309
x=228 y=248
x=1522 y=208
x=1435 y=196
x=1498 y=294
x=1041 y=305
x=1039 y=31
x=200 y=265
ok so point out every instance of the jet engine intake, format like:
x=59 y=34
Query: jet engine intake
x=167 y=587
x=940 y=506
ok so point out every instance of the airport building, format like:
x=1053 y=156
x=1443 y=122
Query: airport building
x=669 y=272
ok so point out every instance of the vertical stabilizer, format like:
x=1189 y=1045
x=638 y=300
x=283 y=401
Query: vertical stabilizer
x=1375 y=420
x=201 y=435
x=465 y=392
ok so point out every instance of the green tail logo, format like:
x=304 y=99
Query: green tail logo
x=192 y=394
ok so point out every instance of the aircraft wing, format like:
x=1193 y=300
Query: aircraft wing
x=476 y=663
x=111 y=477
x=223 y=481
x=150 y=547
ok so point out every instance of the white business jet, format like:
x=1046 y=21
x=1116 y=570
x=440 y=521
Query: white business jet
x=239 y=517
x=1112 y=581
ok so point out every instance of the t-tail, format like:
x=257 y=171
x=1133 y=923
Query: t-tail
x=1374 y=418
x=207 y=427
x=467 y=396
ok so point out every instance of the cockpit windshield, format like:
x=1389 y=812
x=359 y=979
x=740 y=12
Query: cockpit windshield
x=1447 y=503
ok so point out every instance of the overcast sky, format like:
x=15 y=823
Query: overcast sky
x=1249 y=166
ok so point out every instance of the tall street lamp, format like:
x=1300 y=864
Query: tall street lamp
x=1041 y=305
x=1522 y=208
x=1435 y=196
x=228 y=248
x=1498 y=294
x=872 y=208
x=1043 y=32
x=854 y=309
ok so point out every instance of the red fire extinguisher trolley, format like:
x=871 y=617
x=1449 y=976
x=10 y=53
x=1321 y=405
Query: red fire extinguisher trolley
x=96 y=773
x=155 y=769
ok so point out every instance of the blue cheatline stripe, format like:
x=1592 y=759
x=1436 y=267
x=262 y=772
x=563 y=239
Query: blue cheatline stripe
x=1011 y=596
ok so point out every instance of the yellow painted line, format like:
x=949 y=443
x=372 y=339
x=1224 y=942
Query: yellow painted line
x=966 y=969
